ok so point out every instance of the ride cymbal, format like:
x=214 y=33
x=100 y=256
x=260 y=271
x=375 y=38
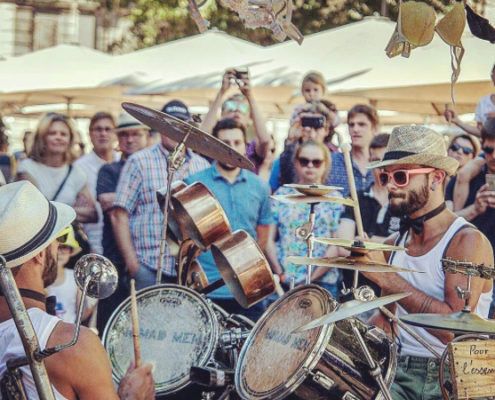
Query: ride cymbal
x=360 y=246
x=299 y=198
x=347 y=263
x=461 y=321
x=350 y=309
x=198 y=140
x=313 y=189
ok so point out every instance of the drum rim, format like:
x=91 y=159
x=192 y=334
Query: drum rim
x=207 y=355
x=312 y=358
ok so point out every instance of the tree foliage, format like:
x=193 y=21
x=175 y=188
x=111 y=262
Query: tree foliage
x=159 y=21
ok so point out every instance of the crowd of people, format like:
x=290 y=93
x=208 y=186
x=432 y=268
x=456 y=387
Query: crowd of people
x=112 y=189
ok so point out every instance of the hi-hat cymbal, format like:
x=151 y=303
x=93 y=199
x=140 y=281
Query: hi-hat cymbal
x=461 y=321
x=198 y=140
x=351 y=308
x=299 y=198
x=313 y=189
x=361 y=246
x=347 y=263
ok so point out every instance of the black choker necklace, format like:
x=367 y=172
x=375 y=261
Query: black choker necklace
x=49 y=302
x=417 y=224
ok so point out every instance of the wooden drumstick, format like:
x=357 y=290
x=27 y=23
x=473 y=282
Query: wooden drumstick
x=135 y=326
x=278 y=288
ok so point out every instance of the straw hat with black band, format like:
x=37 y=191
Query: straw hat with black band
x=417 y=145
x=29 y=222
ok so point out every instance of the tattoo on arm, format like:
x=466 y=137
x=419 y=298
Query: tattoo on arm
x=426 y=304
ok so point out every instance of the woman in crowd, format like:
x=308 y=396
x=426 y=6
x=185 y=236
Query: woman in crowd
x=49 y=167
x=312 y=163
x=463 y=148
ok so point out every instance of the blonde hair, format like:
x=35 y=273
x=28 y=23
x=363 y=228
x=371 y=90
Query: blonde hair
x=315 y=77
x=326 y=155
x=38 y=149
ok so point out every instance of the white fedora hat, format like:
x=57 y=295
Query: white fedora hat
x=28 y=221
x=417 y=144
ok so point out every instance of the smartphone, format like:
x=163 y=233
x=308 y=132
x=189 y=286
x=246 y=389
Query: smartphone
x=240 y=73
x=490 y=180
x=313 y=122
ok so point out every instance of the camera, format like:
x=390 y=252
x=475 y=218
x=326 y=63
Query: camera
x=313 y=122
x=240 y=73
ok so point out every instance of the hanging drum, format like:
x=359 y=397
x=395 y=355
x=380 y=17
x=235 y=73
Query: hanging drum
x=321 y=363
x=199 y=215
x=244 y=268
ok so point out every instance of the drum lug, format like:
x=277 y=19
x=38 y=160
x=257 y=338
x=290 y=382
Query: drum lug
x=349 y=396
x=322 y=380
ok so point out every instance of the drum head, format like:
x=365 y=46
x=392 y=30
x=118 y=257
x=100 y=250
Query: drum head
x=274 y=362
x=178 y=329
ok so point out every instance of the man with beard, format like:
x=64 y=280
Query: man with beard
x=245 y=200
x=82 y=371
x=415 y=166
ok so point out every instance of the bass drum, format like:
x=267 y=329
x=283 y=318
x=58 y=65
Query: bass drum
x=178 y=329
x=321 y=363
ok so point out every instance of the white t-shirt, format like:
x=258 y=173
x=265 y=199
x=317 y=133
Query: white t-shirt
x=66 y=294
x=48 y=179
x=484 y=108
x=2 y=179
x=91 y=164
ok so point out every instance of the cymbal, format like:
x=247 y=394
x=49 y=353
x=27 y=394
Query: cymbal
x=351 y=308
x=313 y=189
x=361 y=246
x=299 y=198
x=198 y=140
x=348 y=263
x=461 y=321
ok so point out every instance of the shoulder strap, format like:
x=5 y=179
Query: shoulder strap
x=464 y=226
x=62 y=184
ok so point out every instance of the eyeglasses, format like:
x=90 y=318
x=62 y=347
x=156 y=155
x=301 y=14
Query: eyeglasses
x=488 y=149
x=456 y=147
x=400 y=177
x=306 y=161
x=232 y=106
x=64 y=235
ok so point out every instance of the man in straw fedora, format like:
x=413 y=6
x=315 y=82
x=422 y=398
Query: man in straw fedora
x=29 y=228
x=413 y=169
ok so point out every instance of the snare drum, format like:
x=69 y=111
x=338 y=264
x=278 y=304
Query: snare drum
x=322 y=363
x=178 y=330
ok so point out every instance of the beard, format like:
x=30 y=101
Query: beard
x=50 y=271
x=226 y=167
x=414 y=200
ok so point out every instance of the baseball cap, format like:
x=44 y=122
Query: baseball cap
x=177 y=109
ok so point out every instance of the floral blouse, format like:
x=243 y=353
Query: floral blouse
x=289 y=217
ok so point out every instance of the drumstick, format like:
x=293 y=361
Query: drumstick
x=135 y=326
x=278 y=287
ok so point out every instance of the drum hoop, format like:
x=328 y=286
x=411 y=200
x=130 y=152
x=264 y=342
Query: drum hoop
x=310 y=362
x=207 y=355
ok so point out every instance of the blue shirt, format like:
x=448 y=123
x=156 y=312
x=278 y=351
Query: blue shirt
x=275 y=175
x=246 y=203
x=338 y=175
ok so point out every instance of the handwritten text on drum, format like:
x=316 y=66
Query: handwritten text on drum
x=298 y=343
x=468 y=369
x=161 y=335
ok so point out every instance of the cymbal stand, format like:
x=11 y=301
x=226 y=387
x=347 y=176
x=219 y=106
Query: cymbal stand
x=306 y=232
x=174 y=161
x=26 y=332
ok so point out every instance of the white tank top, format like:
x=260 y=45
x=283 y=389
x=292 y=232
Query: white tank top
x=11 y=346
x=430 y=282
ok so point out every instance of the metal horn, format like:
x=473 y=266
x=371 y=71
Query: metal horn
x=97 y=275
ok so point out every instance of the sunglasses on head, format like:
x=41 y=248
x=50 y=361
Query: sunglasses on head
x=306 y=161
x=400 y=177
x=456 y=147
x=232 y=106
x=488 y=149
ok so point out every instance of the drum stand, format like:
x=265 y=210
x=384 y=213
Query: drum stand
x=174 y=161
x=306 y=232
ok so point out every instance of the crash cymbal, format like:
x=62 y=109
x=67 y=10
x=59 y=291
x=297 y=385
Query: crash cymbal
x=361 y=246
x=198 y=140
x=351 y=308
x=462 y=321
x=299 y=198
x=347 y=263
x=313 y=189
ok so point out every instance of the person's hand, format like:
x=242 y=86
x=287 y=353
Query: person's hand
x=484 y=198
x=245 y=86
x=137 y=383
x=295 y=131
x=106 y=200
x=132 y=267
x=226 y=80
x=450 y=115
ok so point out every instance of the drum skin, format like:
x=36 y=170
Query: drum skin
x=178 y=329
x=322 y=363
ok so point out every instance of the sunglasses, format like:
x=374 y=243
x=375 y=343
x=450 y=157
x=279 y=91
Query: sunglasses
x=306 y=161
x=400 y=177
x=488 y=149
x=232 y=106
x=456 y=147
